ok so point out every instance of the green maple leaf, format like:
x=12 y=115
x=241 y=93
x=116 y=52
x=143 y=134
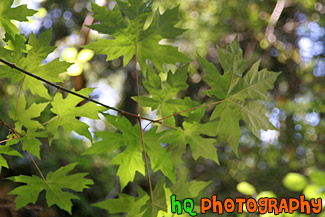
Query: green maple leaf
x=31 y=141
x=201 y=147
x=25 y=116
x=7 y=150
x=112 y=140
x=158 y=202
x=7 y=13
x=163 y=98
x=126 y=204
x=50 y=71
x=140 y=206
x=240 y=96
x=158 y=154
x=13 y=52
x=67 y=113
x=54 y=185
x=130 y=160
x=182 y=189
x=131 y=38
x=228 y=127
x=192 y=135
x=38 y=50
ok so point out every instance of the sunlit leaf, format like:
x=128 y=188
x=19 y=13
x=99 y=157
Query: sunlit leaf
x=131 y=38
x=240 y=97
x=54 y=185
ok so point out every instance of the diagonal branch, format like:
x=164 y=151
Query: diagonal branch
x=13 y=66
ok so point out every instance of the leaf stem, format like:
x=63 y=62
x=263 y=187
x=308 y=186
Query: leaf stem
x=141 y=130
x=18 y=136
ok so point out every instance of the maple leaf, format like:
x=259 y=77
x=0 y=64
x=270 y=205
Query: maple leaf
x=190 y=189
x=39 y=49
x=158 y=154
x=31 y=141
x=7 y=150
x=192 y=135
x=54 y=185
x=8 y=13
x=126 y=204
x=67 y=113
x=140 y=206
x=131 y=38
x=162 y=98
x=182 y=189
x=130 y=160
x=240 y=96
x=158 y=201
x=25 y=116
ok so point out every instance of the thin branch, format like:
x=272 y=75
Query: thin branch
x=6 y=140
x=9 y=127
x=13 y=66
x=33 y=130
x=36 y=128
x=17 y=135
x=141 y=130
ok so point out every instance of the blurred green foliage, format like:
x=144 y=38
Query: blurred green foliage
x=298 y=114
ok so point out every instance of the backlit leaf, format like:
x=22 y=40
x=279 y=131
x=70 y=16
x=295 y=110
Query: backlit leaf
x=240 y=97
x=131 y=38
x=54 y=185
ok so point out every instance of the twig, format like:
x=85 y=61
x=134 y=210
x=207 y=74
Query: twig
x=29 y=132
x=9 y=127
x=36 y=128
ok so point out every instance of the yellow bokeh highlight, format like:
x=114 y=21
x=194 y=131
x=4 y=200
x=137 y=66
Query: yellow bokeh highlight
x=70 y=54
x=85 y=55
x=41 y=13
x=74 y=70
x=80 y=60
